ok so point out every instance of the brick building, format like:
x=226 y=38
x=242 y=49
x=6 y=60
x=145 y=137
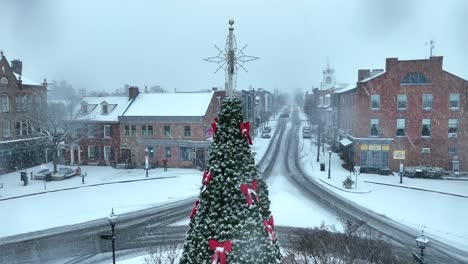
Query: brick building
x=98 y=139
x=171 y=126
x=413 y=113
x=22 y=112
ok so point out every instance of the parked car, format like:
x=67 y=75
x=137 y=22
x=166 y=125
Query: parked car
x=306 y=129
x=306 y=134
x=267 y=129
x=66 y=172
x=284 y=114
x=266 y=134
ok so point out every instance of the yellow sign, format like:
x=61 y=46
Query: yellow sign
x=385 y=147
x=399 y=154
x=364 y=147
x=375 y=147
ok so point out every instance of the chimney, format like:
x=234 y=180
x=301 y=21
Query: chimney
x=437 y=60
x=214 y=89
x=133 y=92
x=363 y=74
x=17 y=66
x=390 y=62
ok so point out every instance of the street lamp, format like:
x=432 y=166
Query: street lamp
x=421 y=242
x=112 y=220
x=146 y=160
x=329 y=162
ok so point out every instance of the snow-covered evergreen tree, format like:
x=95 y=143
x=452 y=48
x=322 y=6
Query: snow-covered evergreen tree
x=232 y=222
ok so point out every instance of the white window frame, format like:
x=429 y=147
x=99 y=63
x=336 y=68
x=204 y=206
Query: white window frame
x=168 y=132
x=93 y=147
x=400 y=98
x=426 y=121
x=189 y=134
x=453 y=123
x=108 y=128
x=5 y=103
x=374 y=121
x=91 y=128
x=454 y=97
x=6 y=128
x=401 y=124
x=427 y=98
x=375 y=97
x=107 y=156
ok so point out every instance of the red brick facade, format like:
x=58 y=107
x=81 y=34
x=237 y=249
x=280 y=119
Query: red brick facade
x=422 y=147
x=23 y=109
x=193 y=140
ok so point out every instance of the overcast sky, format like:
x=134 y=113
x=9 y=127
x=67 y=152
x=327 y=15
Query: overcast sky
x=102 y=45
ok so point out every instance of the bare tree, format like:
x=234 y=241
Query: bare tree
x=58 y=131
x=164 y=255
x=357 y=244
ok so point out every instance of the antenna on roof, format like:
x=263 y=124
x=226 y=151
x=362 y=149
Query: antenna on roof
x=432 y=46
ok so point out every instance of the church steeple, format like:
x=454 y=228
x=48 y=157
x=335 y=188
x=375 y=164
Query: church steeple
x=328 y=78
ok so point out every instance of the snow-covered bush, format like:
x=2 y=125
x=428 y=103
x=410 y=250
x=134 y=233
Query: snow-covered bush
x=424 y=172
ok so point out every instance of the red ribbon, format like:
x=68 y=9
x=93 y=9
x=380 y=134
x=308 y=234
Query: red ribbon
x=214 y=125
x=194 y=209
x=220 y=249
x=248 y=190
x=207 y=176
x=269 y=225
x=245 y=130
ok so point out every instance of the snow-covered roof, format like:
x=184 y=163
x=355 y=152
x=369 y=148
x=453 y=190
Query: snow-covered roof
x=345 y=89
x=117 y=105
x=25 y=80
x=170 y=104
x=372 y=77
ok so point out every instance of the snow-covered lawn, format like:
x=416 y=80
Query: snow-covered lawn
x=72 y=202
x=441 y=216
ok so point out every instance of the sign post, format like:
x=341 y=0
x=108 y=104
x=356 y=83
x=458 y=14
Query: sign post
x=400 y=155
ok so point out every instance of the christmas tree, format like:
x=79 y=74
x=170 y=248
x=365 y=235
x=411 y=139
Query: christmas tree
x=231 y=222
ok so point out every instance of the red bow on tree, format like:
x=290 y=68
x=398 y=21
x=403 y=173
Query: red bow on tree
x=214 y=125
x=269 y=225
x=248 y=190
x=207 y=177
x=194 y=209
x=245 y=130
x=220 y=249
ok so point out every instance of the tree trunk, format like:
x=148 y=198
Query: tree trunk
x=55 y=159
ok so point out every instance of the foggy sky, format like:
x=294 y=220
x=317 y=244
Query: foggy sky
x=102 y=45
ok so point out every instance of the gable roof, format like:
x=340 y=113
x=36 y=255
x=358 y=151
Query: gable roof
x=95 y=114
x=345 y=89
x=170 y=104
x=25 y=80
x=372 y=77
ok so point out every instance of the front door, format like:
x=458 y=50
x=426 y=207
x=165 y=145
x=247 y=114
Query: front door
x=200 y=158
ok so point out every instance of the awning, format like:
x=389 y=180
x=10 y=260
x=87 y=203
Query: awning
x=345 y=142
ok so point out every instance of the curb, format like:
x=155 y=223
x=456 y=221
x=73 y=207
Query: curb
x=419 y=189
x=343 y=189
x=84 y=186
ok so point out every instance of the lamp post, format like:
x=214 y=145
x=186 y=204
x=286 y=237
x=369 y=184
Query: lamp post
x=112 y=220
x=329 y=162
x=421 y=242
x=146 y=160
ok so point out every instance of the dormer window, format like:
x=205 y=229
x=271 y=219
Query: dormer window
x=84 y=108
x=105 y=109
